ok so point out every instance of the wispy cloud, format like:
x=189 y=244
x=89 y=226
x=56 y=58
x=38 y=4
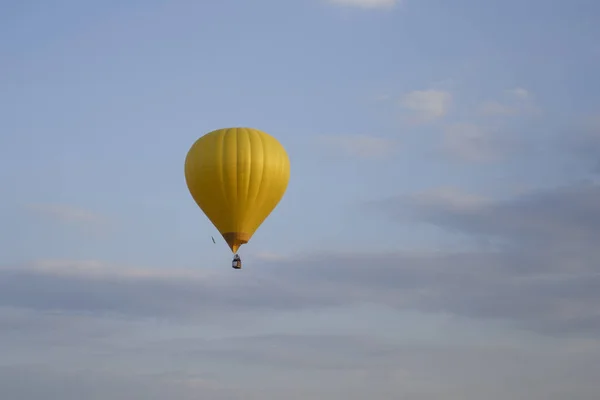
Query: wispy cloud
x=92 y=269
x=36 y=382
x=345 y=366
x=360 y=146
x=67 y=213
x=520 y=101
x=546 y=244
x=470 y=139
x=427 y=105
x=565 y=217
x=449 y=198
x=583 y=140
x=473 y=143
x=366 y=3
x=520 y=93
x=270 y=256
x=92 y=318
x=493 y=107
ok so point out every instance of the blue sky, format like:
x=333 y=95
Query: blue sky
x=439 y=228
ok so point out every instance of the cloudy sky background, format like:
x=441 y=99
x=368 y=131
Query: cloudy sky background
x=438 y=240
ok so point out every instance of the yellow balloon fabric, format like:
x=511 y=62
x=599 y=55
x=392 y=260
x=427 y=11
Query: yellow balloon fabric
x=237 y=176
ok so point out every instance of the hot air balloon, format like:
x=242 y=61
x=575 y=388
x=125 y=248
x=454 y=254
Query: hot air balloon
x=237 y=176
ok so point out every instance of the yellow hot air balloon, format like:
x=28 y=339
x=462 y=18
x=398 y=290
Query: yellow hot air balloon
x=237 y=176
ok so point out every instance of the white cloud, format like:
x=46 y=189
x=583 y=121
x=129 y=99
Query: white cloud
x=427 y=105
x=361 y=146
x=366 y=3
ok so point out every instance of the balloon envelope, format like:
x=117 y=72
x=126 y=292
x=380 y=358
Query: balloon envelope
x=237 y=176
